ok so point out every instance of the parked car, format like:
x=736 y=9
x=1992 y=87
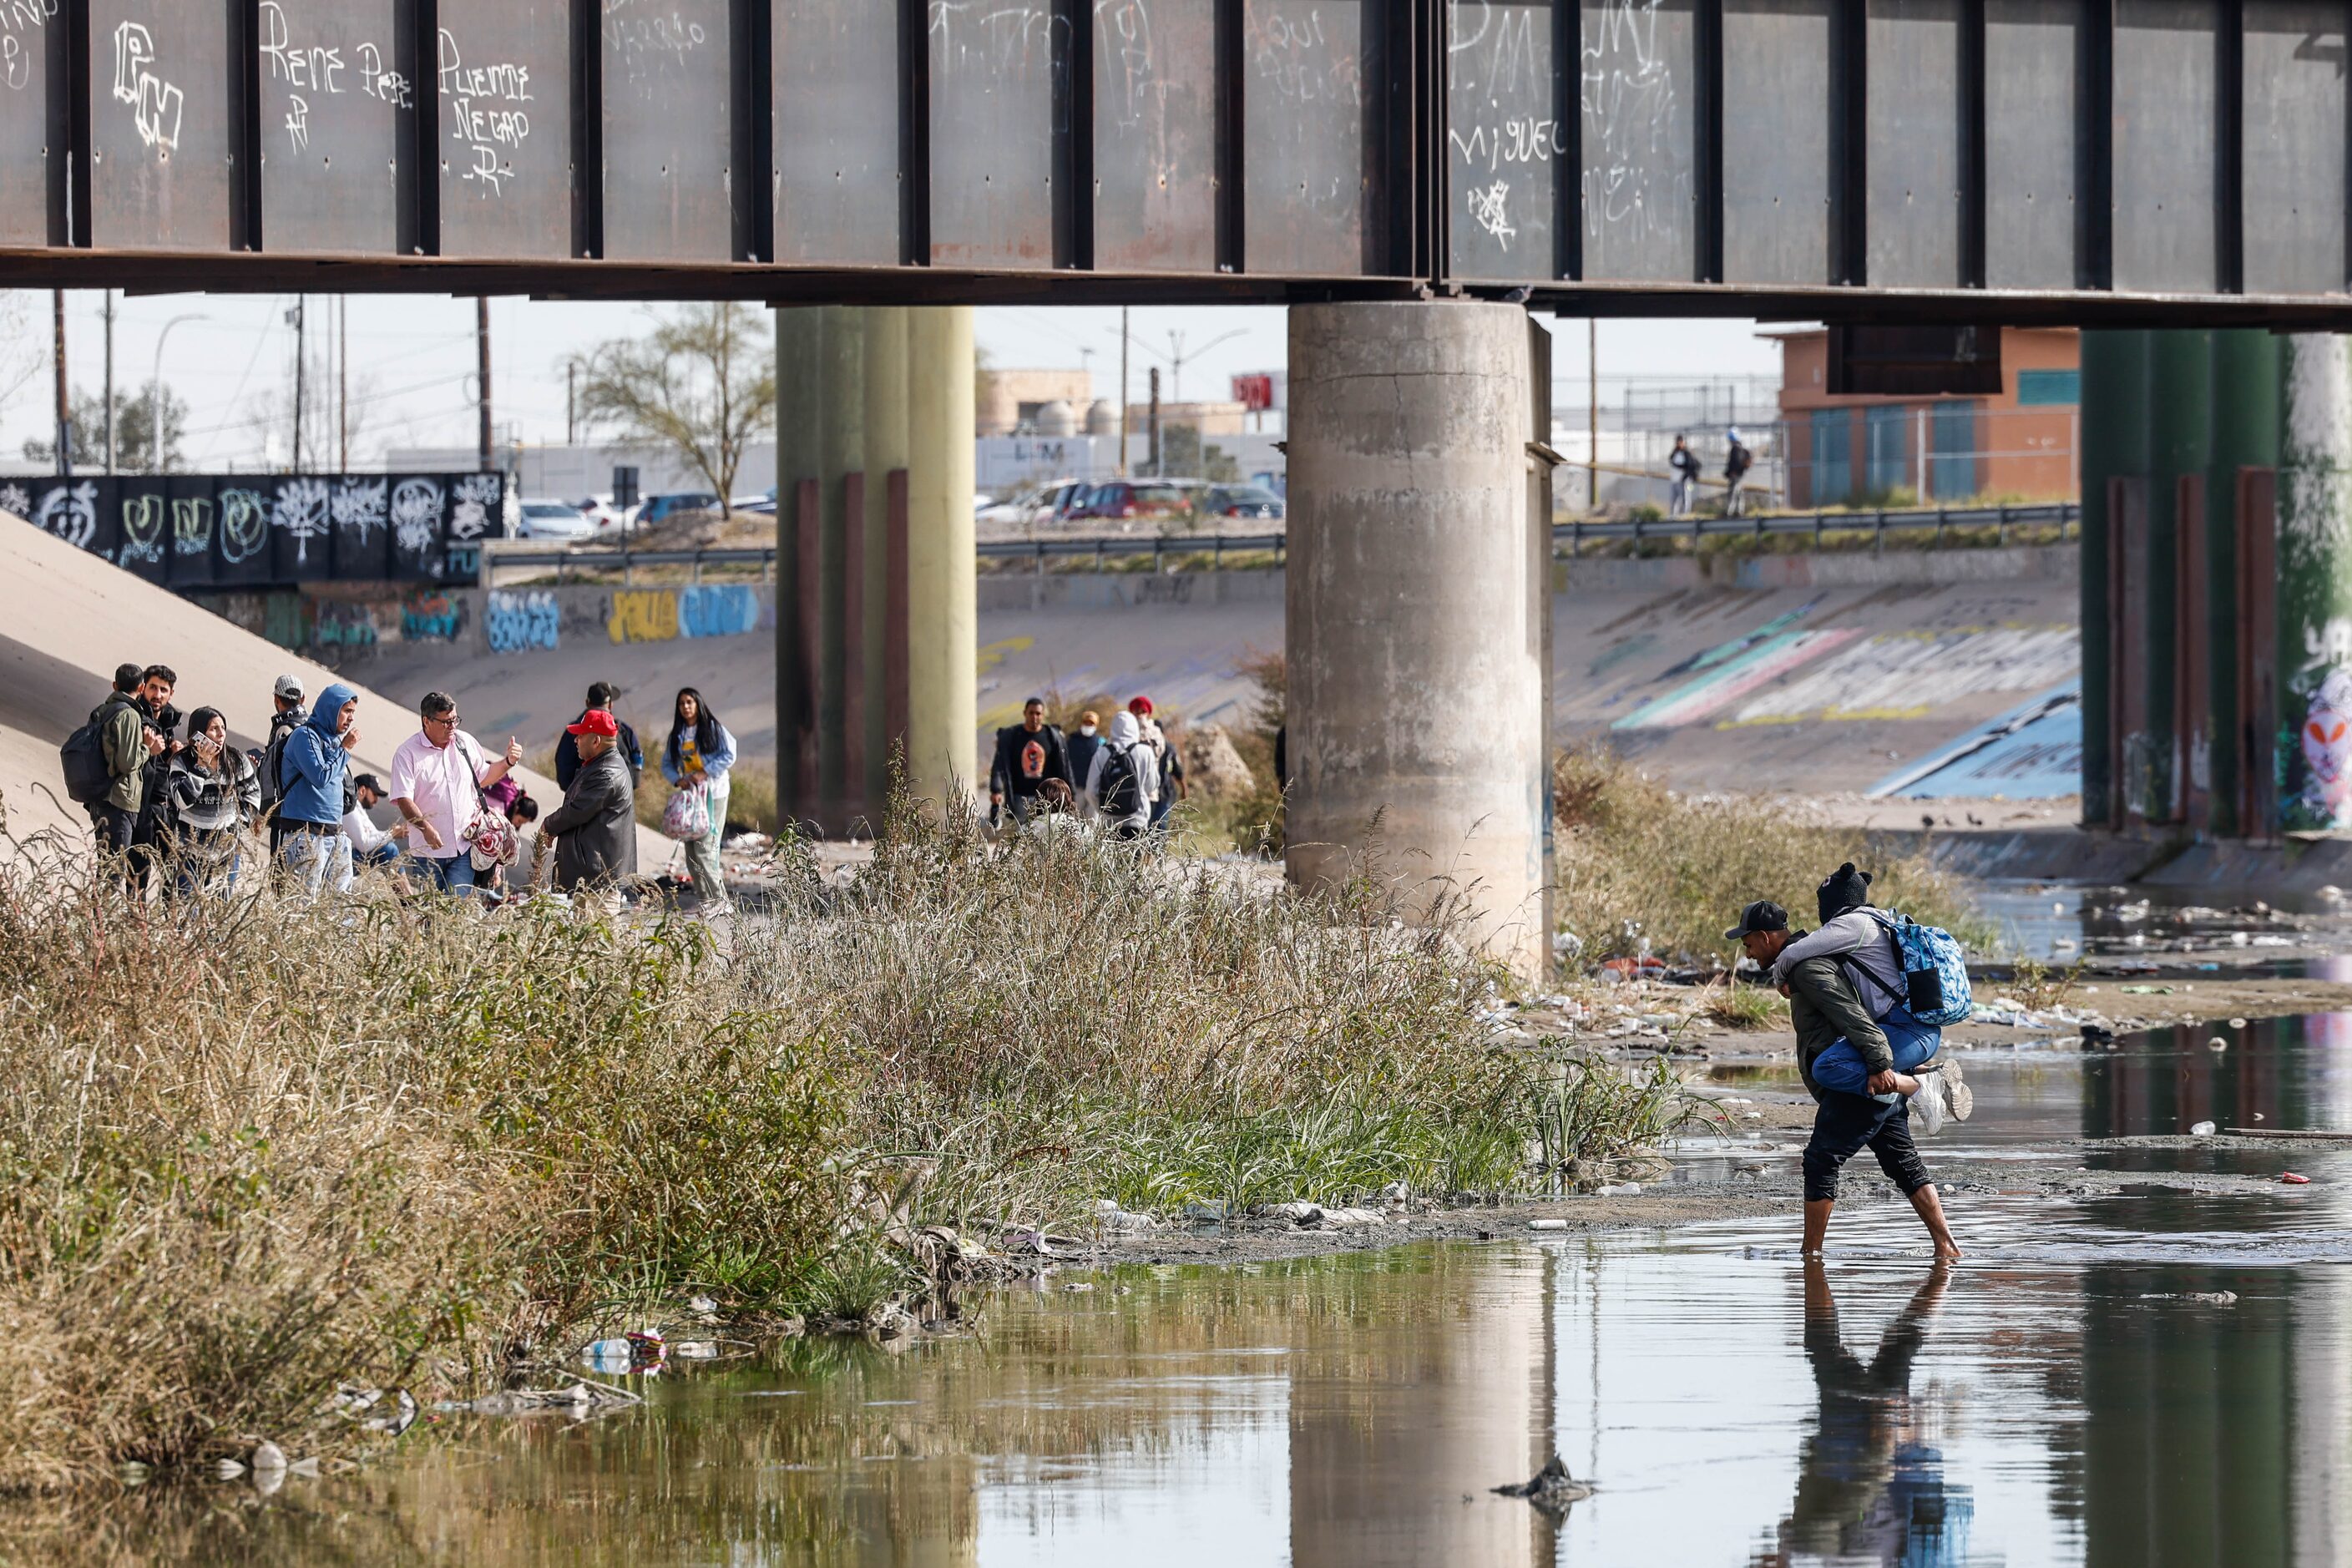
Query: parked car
x=660 y=508
x=600 y=511
x=761 y=505
x=1140 y=500
x=557 y=520
x=1242 y=500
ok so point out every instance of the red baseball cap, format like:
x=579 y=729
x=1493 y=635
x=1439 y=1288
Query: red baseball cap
x=1140 y=705
x=597 y=721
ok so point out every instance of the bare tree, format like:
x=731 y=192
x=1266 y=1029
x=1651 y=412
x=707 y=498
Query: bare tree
x=702 y=384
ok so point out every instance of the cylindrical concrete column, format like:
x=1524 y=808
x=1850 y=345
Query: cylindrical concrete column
x=943 y=590
x=1416 y=680
x=885 y=450
x=800 y=401
x=2315 y=585
x=2245 y=434
x=841 y=452
x=2114 y=425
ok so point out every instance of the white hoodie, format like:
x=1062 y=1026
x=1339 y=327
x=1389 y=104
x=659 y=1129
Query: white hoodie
x=1126 y=737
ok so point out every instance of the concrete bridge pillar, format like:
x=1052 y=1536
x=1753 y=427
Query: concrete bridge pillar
x=1415 y=614
x=2315 y=585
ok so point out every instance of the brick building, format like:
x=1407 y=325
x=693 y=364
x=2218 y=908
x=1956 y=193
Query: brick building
x=2018 y=445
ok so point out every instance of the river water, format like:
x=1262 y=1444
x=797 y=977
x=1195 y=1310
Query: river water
x=2060 y=1398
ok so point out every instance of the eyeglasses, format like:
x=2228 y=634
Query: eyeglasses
x=441 y=719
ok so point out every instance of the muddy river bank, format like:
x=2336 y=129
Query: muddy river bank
x=2143 y=1359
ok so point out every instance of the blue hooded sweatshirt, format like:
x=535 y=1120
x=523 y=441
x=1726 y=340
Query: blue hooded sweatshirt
x=316 y=764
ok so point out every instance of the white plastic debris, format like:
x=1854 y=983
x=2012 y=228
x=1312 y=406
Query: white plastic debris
x=2201 y=1130
x=1547 y=1224
x=2217 y=1044
x=1628 y=1190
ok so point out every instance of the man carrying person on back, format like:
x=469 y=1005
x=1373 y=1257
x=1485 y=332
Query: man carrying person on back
x=1027 y=754
x=567 y=750
x=1872 y=1113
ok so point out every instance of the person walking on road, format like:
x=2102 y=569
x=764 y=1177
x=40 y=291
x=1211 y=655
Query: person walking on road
x=700 y=754
x=212 y=793
x=438 y=777
x=157 y=684
x=1168 y=785
x=317 y=783
x=1736 y=464
x=1027 y=754
x=1827 y=1013
x=595 y=829
x=1684 y=464
x=567 y=749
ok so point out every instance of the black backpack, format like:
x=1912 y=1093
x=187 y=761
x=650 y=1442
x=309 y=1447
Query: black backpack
x=1120 y=793
x=273 y=763
x=83 y=756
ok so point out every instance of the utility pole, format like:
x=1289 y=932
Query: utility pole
x=110 y=381
x=344 y=383
x=1152 y=427
x=301 y=346
x=1591 y=416
x=1119 y=470
x=482 y=350
x=570 y=403
x=65 y=405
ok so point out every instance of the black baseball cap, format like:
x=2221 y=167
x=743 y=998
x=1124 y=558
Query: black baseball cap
x=370 y=782
x=1761 y=915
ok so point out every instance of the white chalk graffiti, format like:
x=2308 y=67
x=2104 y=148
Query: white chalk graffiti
x=143 y=529
x=16 y=501
x=2328 y=645
x=301 y=512
x=1489 y=211
x=471 y=503
x=1637 y=174
x=388 y=86
x=243 y=524
x=358 y=505
x=484 y=114
x=415 y=516
x=71 y=512
x=155 y=102
x=16 y=58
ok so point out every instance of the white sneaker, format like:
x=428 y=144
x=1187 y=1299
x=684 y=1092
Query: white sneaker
x=1956 y=1092
x=1927 y=1105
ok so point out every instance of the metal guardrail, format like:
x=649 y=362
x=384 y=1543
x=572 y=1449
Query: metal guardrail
x=1574 y=535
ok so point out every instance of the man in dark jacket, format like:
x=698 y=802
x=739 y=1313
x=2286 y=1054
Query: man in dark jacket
x=1027 y=754
x=157 y=684
x=567 y=750
x=595 y=829
x=1824 y=1008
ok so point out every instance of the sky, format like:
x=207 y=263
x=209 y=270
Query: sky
x=411 y=359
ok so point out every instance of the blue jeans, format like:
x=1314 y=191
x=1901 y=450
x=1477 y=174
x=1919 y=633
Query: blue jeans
x=454 y=875
x=1841 y=1067
x=321 y=860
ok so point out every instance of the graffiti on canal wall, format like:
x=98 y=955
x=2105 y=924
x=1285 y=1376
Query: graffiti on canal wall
x=518 y=621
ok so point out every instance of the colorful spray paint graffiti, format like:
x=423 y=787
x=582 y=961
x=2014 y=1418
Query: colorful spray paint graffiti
x=430 y=617
x=718 y=610
x=644 y=615
x=2314 y=758
x=516 y=622
x=342 y=624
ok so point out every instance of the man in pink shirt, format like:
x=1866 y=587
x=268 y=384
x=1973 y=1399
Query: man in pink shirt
x=438 y=775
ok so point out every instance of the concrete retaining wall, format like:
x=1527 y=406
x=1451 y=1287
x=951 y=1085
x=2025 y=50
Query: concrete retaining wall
x=343 y=622
x=1836 y=569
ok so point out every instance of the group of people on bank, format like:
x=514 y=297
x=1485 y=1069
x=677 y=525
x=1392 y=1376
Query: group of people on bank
x=173 y=802
x=1127 y=779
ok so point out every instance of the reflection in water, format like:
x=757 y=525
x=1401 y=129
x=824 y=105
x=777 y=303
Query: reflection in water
x=1871 y=1488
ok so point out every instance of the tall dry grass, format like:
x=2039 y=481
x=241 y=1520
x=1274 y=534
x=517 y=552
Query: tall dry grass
x=255 y=1149
x=1638 y=862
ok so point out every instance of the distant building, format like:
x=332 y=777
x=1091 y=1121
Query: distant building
x=2019 y=445
x=1039 y=402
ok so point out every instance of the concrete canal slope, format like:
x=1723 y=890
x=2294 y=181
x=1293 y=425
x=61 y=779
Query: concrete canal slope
x=1818 y=675
x=75 y=616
